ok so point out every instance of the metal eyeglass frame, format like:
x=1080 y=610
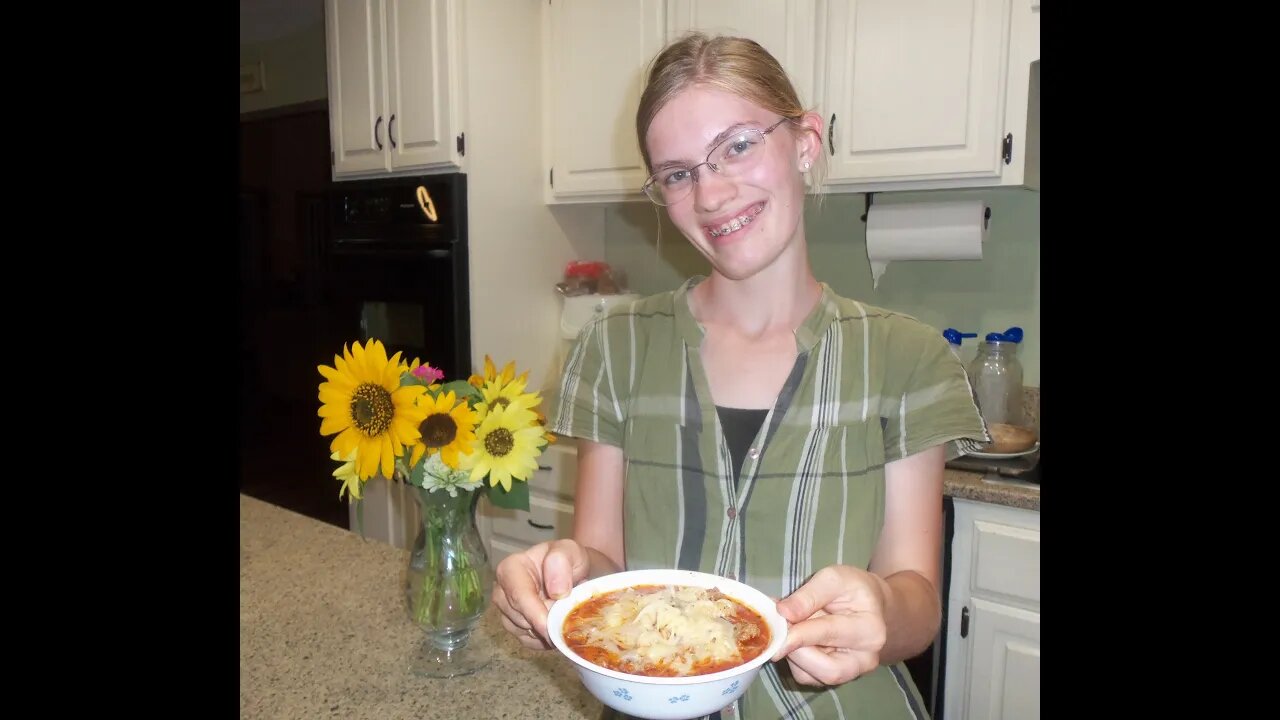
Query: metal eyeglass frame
x=693 y=174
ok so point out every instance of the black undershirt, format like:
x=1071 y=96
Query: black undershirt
x=740 y=428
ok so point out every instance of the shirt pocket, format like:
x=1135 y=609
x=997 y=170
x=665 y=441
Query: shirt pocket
x=840 y=448
x=665 y=494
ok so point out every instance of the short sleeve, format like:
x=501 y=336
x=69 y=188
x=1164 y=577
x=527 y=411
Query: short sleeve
x=585 y=403
x=932 y=402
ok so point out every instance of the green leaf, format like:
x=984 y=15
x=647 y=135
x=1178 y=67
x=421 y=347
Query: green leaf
x=463 y=390
x=517 y=499
x=418 y=474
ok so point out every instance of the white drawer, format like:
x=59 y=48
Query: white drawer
x=1006 y=561
x=557 y=472
x=547 y=519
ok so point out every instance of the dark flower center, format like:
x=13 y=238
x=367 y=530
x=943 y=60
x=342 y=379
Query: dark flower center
x=372 y=409
x=438 y=430
x=499 y=442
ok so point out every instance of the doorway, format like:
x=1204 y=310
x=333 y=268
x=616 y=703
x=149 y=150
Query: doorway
x=285 y=326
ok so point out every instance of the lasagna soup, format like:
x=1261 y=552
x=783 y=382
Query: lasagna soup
x=665 y=631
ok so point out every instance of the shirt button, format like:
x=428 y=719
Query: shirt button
x=753 y=453
x=732 y=513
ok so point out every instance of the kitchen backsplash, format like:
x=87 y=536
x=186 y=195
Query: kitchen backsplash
x=978 y=296
x=1031 y=408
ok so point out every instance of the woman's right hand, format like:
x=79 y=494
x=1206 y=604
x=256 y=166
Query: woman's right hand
x=528 y=582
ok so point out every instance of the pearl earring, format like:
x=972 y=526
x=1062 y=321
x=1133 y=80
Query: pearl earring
x=806 y=165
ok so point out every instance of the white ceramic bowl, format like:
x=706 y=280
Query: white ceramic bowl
x=667 y=698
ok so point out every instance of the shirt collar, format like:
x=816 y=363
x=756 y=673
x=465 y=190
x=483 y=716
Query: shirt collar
x=807 y=335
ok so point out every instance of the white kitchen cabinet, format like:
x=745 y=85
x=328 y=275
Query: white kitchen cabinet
x=928 y=94
x=993 y=621
x=395 y=83
x=915 y=94
x=784 y=27
x=593 y=72
x=550 y=513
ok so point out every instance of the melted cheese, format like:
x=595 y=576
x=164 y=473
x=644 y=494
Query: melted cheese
x=675 y=626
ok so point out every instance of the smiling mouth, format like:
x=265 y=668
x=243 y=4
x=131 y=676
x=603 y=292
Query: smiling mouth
x=736 y=223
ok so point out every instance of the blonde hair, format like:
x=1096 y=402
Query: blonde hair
x=733 y=64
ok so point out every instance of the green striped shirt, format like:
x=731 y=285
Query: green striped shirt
x=869 y=386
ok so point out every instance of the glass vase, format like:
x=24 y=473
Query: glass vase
x=448 y=584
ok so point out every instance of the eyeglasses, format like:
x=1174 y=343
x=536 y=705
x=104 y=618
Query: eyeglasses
x=733 y=157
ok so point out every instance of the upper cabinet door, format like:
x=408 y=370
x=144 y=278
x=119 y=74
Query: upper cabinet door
x=783 y=27
x=358 y=118
x=420 y=83
x=597 y=53
x=915 y=88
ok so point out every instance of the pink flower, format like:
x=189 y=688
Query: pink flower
x=426 y=372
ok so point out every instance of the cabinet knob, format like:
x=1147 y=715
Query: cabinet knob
x=377 y=137
x=964 y=621
x=831 y=129
x=391 y=130
x=540 y=526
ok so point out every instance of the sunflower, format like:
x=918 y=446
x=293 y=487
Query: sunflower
x=491 y=374
x=364 y=403
x=508 y=443
x=495 y=393
x=449 y=426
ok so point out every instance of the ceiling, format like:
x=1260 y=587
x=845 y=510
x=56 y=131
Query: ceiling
x=262 y=20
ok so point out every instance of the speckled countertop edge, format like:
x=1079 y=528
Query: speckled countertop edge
x=993 y=489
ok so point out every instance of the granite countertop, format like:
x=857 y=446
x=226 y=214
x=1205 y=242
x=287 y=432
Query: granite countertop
x=324 y=633
x=990 y=488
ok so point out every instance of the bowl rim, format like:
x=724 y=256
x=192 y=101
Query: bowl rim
x=742 y=592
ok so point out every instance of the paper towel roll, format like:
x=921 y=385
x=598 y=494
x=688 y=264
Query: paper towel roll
x=924 y=231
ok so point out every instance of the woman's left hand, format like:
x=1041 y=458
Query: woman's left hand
x=837 y=626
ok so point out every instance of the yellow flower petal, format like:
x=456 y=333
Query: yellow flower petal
x=331 y=425
x=369 y=456
x=388 y=458
x=391 y=373
x=331 y=395
x=337 y=378
x=346 y=442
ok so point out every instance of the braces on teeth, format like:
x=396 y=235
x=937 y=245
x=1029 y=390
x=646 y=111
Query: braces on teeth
x=734 y=224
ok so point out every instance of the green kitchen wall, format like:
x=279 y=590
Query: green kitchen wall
x=293 y=67
x=992 y=294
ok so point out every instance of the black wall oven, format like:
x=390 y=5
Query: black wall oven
x=396 y=266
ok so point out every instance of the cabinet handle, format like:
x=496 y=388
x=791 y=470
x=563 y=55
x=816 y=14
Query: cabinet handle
x=391 y=130
x=831 y=129
x=964 y=622
x=540 y=526
x=377 y=137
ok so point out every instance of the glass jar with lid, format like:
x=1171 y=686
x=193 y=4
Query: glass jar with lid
x=996 y=375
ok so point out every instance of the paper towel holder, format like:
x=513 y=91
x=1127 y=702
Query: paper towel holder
x=986 y=212
x=867 y=210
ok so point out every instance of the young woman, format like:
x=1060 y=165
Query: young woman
x=753 y=424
